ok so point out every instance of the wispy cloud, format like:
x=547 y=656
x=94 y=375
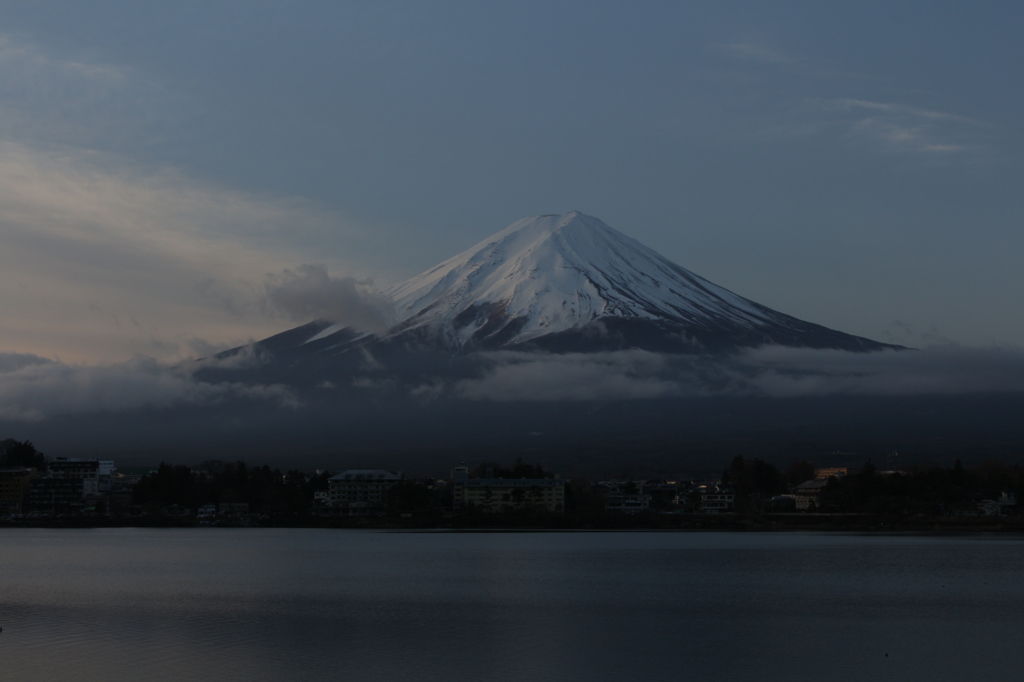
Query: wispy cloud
x=53 y=99
x=101 y=261
x=906 y=128
x=904 y=110
x=104 y=258
x=772 y=75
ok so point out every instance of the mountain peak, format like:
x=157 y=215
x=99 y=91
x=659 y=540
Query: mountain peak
x=549 y=275
x=535 y=228
x=548 y=281
x=539 y=275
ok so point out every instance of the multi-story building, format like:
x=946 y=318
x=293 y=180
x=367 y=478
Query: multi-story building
x=838 y=472
x=630 y=503
x=808 y=494
x=56 y=495
x=361 y=491
x=717 y=500
x=96 y=471
x=505 y=494
x=14 y=487
x=233 y=508
x=71 y=485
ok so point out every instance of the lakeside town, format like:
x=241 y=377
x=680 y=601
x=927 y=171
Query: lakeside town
x=750 y=493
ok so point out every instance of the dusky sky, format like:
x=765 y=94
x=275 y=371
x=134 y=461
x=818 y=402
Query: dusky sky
x=163 y=164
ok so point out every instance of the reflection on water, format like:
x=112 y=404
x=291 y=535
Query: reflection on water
x=244 y=604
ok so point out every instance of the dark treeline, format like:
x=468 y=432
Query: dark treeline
x=276 y=493
x=20 y=454
x=759 y=487
x=518 y=470
x=265 y=490
x=929 y=490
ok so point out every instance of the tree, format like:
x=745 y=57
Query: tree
x=20 y=454
x=408 y=497
x=799 y=472
x=753 y=480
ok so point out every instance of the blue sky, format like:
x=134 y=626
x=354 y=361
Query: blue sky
x=856 y=166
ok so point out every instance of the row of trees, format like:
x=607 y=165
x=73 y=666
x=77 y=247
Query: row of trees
x=929 y=490
x=15 y=453
x=926 y=490
x=266 y=490
x=272 y=491
x=518 y=470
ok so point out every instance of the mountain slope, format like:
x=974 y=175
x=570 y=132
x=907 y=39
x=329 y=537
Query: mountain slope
x=571 y=282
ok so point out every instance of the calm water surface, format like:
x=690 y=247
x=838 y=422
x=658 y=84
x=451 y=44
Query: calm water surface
x=277 y=604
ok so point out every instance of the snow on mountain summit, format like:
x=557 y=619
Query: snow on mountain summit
x=553 y=273
x=559 y=281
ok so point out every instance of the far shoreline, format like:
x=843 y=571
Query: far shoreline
x=727 y=522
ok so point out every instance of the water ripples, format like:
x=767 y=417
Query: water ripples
x=327 y=605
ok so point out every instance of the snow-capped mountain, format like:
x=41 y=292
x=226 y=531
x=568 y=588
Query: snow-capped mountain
x=571 y=282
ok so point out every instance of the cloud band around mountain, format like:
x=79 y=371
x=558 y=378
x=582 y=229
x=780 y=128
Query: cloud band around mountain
x=34 y=388
x=771 y=371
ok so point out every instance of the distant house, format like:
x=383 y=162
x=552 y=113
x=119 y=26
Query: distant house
x=176 y=511
x=989 y=508
x=997 y=507
x=808 y=494
x=233 y=508
x=630 y=503
x=14 y=486
x=359 y=492
x=717 y=500
x=506 y=494
x=782 y=503
x=95 y=472
x=56 y=495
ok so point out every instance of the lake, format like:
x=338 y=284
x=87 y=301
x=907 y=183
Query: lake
x=313 y=604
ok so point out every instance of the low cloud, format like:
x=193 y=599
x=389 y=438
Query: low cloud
x=770 y=371
x=939 y=370
x=245 y=356
x=309 y=293
x=34 y=388
x=11 y=362
x=428 y=392
x=622 y=375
